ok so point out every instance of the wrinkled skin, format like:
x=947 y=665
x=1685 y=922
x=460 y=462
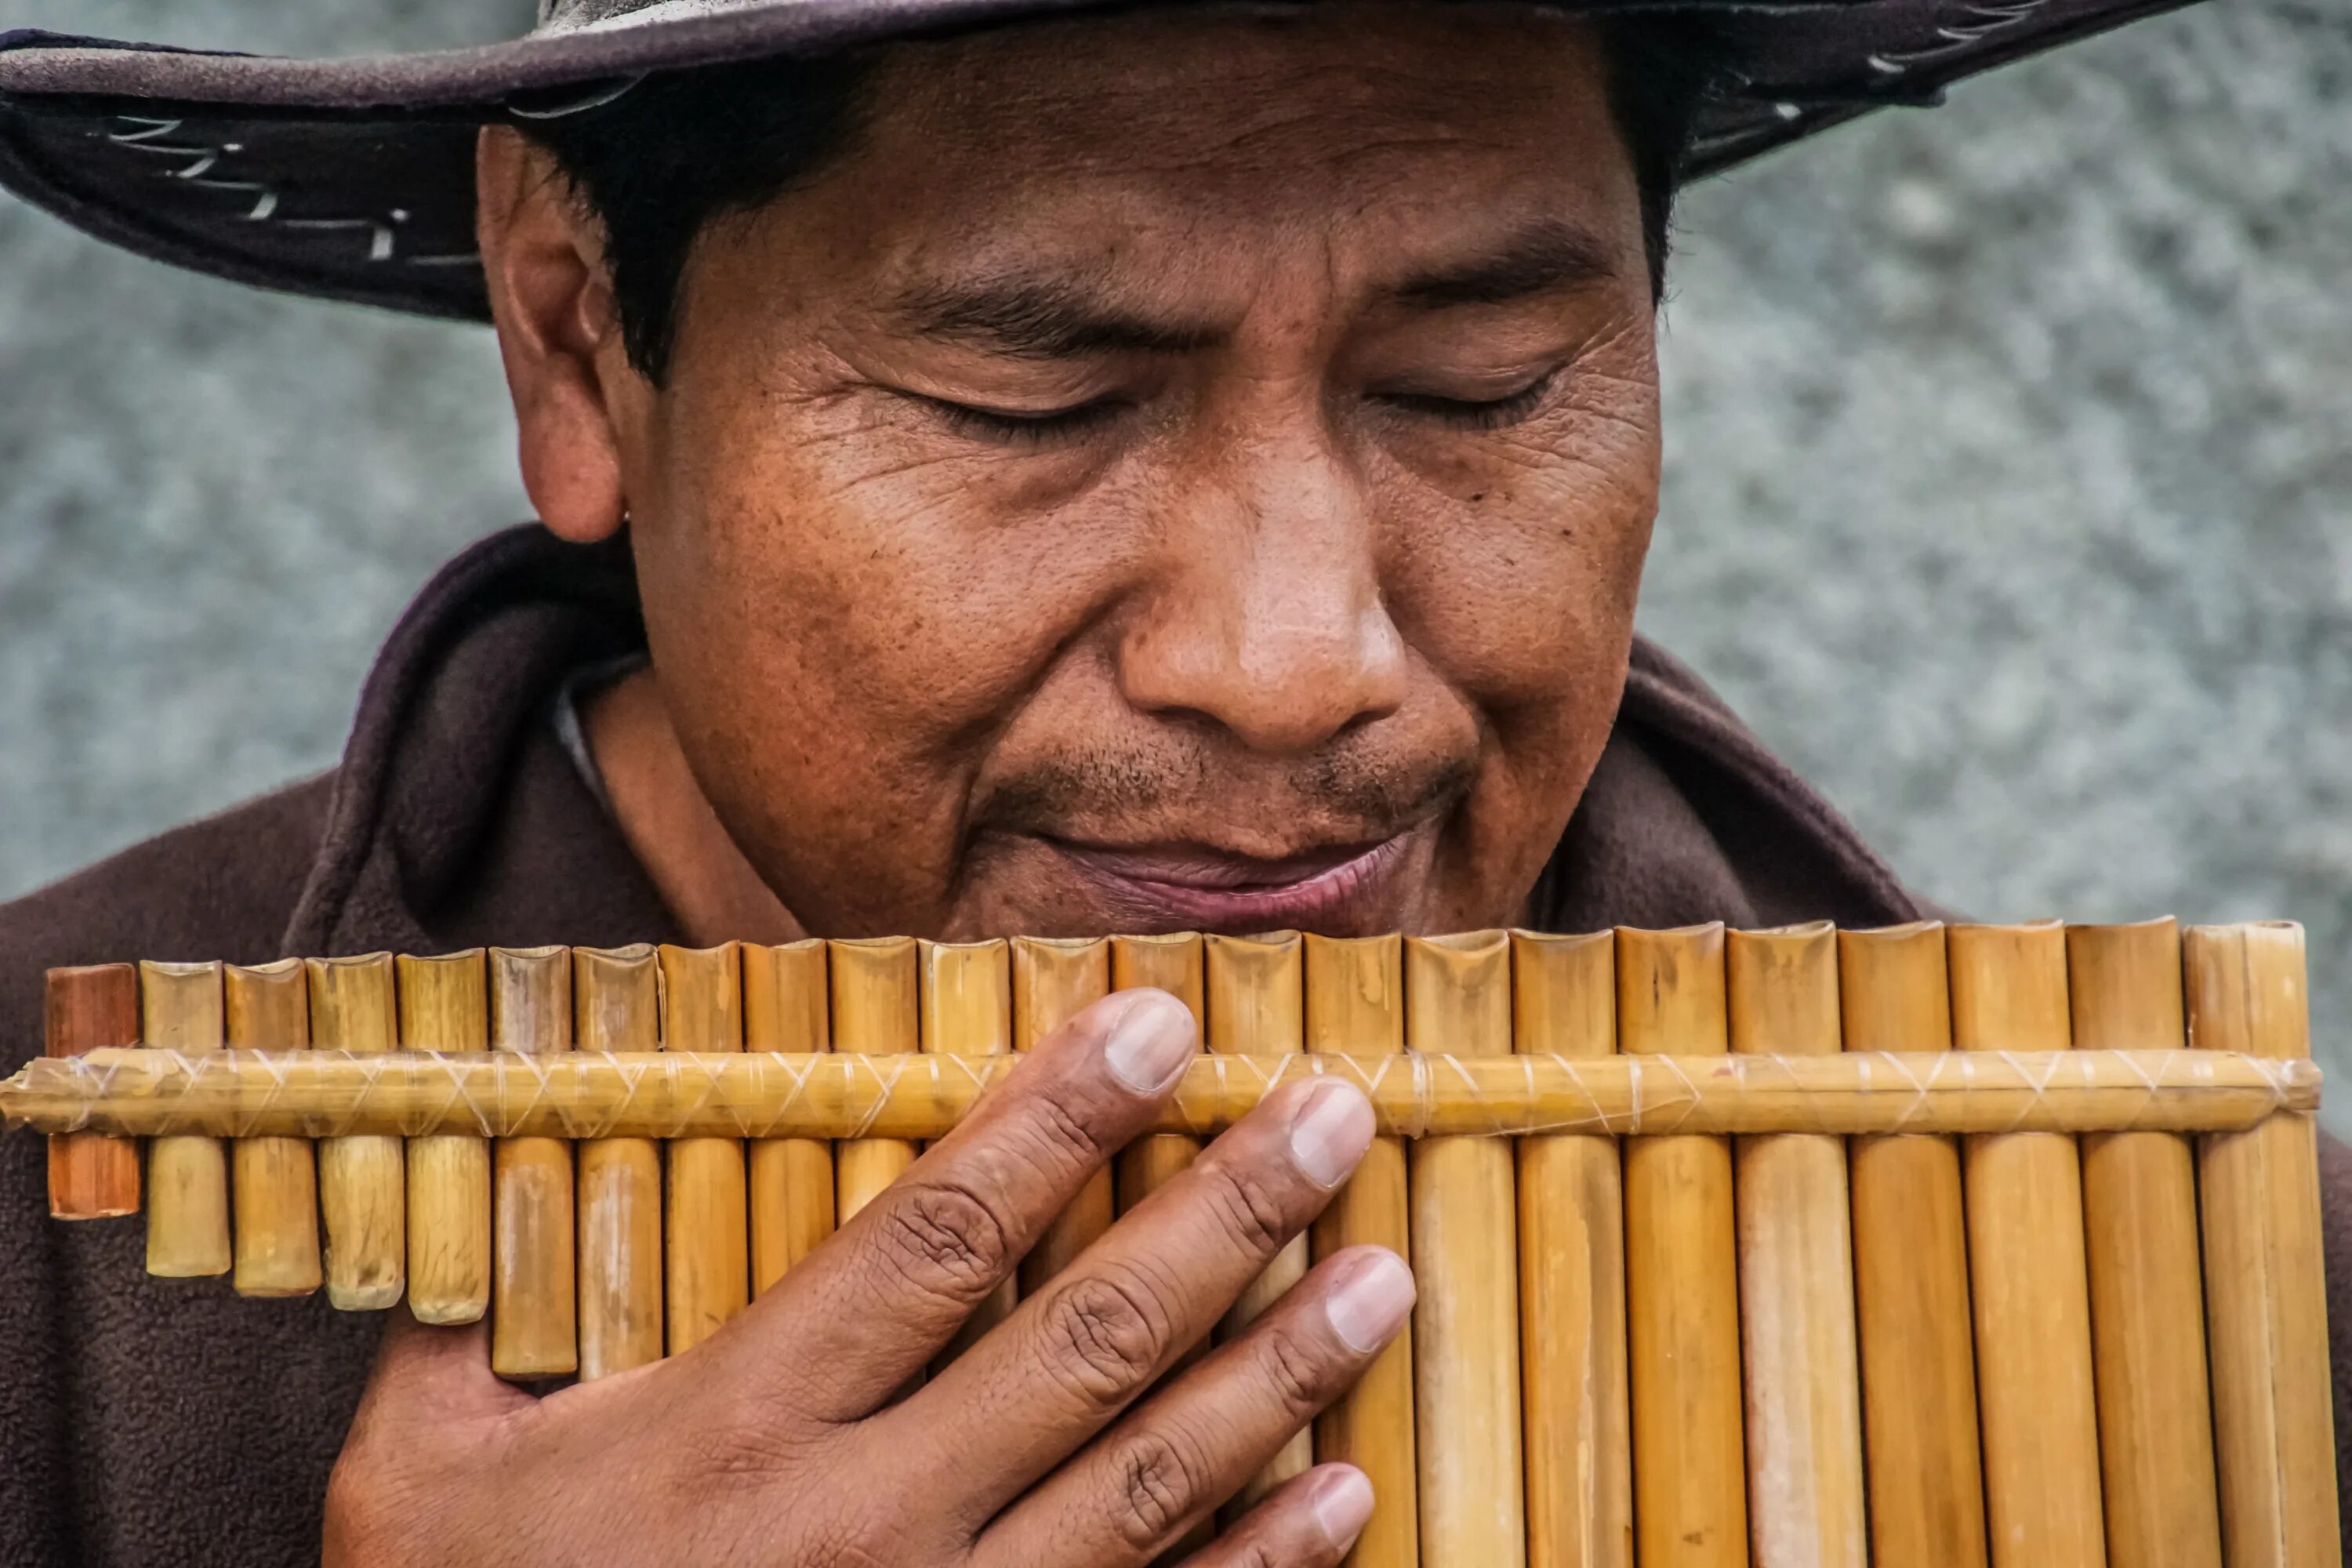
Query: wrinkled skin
x=1269 y=592
x=1183 y=471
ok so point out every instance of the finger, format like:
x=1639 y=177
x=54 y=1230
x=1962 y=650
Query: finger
x=854 y=1321
x=1072 y=1357
x=1137 y=1486
x=428 y=1377
x=1309 y=1522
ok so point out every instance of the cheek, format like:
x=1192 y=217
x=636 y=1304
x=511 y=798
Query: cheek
x=1517 y=580
x=871 y=609
x=1518 y=571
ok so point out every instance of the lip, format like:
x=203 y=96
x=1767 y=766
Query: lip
x=1189 y=887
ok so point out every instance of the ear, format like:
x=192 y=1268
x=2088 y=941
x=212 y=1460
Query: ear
x=559 y=334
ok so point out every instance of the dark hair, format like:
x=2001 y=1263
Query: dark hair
x=658 y=164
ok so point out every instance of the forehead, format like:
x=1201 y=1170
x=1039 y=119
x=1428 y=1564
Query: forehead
x=1403 y=125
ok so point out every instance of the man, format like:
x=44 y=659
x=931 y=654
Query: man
x=1177 y=469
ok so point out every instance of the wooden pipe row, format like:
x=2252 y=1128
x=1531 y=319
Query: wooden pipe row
x=1690 y=1349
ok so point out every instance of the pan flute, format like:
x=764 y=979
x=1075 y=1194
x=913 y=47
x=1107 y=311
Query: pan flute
x=1924 y=1246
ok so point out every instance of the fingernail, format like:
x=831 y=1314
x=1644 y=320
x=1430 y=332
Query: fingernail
x=1330 y=1130
x=1342 y=1501
x=1372 y=1303
x=1151 y=1044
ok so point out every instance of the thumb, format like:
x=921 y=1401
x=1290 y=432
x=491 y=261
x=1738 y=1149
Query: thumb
x=435 y=1377
x=430 y=1409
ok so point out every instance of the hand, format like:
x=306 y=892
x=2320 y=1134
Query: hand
x=783 y=1439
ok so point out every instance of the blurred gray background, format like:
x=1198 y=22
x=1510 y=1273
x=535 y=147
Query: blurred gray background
x=2010 y=455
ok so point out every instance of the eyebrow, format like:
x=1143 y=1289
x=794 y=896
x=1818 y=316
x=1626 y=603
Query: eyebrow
x=1547 y=258
x=1045 y=318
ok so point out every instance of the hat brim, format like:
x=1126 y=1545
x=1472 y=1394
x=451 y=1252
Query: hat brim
x=353 y=179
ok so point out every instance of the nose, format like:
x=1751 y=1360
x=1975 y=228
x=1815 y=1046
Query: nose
x=1264 y=614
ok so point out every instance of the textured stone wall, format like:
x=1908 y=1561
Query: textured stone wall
x=2010 y=455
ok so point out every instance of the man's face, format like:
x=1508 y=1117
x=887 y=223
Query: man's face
x=1169 y=472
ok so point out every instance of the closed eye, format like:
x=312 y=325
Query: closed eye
x=1473 y=413
x=1023 y=426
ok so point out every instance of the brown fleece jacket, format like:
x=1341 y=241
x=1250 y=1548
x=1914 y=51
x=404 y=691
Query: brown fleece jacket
x=153 y=1422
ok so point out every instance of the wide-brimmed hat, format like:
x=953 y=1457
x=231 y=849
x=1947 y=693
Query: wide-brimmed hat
x=353 y=178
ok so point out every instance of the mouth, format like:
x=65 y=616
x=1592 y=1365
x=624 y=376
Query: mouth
x=1192 y=888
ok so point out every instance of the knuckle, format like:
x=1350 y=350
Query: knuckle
x=1104 y=1336
x=1248 y=1206
x=719 y=1457
x=778 y=1390
x=855 y=1543
x=1062 y=1136
x=947 y=1242
x=1299 y=1374
x=751 y=1426
x=807 y=1508
x=1160 y=1481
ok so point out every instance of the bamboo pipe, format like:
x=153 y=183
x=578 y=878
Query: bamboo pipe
x=92 y=1176
x=326 y=1094
x=2265 y=1283
x=534 y=1287
x=1682 y=1281
x=1911 y=1273
x=786 y=1008
x=965 y=997
x=1572 y=1274
x=1465 y=1321
x=1170 y=962
x=188 y=1178
x=1796 y=1273
x=875 y=1012
x=2147 y=1308
x=444 y=1005
x=616 y=1007
x=1258 y=1006
x=707 y=1221
x=2027 y=1277
x=1053 y=979
x=1355 y=1006
x=276 y=1181
x=363 y=1179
